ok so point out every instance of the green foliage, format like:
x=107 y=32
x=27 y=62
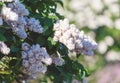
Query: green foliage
x=2 y=38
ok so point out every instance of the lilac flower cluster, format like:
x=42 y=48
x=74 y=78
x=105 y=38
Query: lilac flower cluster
x=15 y=14
x=35 y=59
x=75 y=40
x=3 y=48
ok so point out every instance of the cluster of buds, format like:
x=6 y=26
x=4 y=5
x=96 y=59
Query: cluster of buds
x=15 y=14
x=35 y=59
x=3 y=48
x=75 y=40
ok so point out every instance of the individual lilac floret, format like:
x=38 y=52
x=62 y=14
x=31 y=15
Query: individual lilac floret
x=4 y=49
x=35 y=59
x=34 y=25
x=75 y=40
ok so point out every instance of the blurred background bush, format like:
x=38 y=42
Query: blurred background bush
x=101 y=20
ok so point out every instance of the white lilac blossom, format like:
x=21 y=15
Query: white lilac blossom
x=97 y=5
x=3 y=48
x=6 y=0
x=75 y=40
x=117 y=24
x=109 y=40
x=104 y=44
x=102 y=47
x=35 y=59
x=112 y=56
x=34 y=25
x=8 y=14
x=15 y=14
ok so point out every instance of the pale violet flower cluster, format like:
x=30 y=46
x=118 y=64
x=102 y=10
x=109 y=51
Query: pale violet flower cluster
x=57 y=60
x=1 y=21
x=19 y=26
x=34 y=25
x=75 y=40
x=35 y=59
x=15 y=14
x=3 y=48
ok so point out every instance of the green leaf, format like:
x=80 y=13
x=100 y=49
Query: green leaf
x=83 y=74
x=69 y=77
x=2 y=37
x=2 y=31
x=14 y=48
x=60 y=2
x=4 y=72
x=51 y=40
x=1 y=4
x=52 y=17
x=41 y=40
